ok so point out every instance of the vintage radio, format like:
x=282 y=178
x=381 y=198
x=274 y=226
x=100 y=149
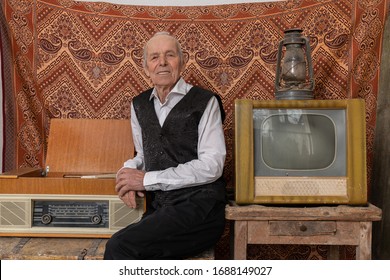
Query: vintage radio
x=74 y=195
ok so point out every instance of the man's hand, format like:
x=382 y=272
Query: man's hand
x=129 y=198
x=129 y=182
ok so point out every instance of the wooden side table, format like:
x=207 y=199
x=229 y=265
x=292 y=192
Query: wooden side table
x=323 y=225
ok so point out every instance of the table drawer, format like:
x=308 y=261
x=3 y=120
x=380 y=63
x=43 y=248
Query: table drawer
x=302 y=228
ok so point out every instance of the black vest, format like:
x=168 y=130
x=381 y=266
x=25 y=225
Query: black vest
x=177 y=140
x=174 y=143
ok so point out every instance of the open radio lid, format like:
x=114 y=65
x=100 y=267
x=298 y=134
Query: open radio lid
x=88 y=146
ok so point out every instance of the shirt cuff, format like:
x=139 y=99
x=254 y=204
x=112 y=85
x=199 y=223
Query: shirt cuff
x=150 y=181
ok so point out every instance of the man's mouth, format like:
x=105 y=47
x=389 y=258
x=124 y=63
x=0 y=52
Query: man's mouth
x=163 y=73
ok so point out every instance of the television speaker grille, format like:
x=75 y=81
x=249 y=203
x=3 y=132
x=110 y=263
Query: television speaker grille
x=300 y=186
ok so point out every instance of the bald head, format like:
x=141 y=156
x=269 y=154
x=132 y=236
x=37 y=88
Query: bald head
x=156 y=37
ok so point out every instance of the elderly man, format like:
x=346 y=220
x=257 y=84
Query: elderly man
x=179 y=140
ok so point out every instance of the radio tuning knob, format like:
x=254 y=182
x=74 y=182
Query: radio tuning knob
x=46 y=219
x=96 y=219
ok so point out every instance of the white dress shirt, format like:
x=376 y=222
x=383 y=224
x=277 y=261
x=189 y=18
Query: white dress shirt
x=211 y=146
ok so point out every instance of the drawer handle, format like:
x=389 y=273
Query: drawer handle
x=303 y=228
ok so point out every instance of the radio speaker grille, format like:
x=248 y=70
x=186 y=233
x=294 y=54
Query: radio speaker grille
x=15 y=213
x=122 y=216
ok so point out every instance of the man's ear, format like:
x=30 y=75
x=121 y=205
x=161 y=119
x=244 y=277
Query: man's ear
x=183 y=66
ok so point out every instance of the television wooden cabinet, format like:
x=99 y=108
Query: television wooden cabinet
x=322 y=225
x=74 y=194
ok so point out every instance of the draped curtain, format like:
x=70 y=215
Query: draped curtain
x=69 y=59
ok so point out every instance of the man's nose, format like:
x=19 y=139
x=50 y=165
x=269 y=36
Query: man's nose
x=162 y=60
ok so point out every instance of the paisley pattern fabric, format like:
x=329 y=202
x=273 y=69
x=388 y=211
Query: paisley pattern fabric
x=69 y=59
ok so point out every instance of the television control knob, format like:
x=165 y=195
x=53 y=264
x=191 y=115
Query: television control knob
x=46 y=219
x=303 y=228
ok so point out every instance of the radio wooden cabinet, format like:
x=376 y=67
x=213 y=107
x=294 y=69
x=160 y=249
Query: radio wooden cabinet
x=74 y=194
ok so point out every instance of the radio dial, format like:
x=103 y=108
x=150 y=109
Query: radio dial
x=96 y=219
x=46 y=219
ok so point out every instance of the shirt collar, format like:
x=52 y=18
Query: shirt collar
x=181 y=87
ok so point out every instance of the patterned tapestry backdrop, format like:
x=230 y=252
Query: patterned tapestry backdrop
x=67 y=59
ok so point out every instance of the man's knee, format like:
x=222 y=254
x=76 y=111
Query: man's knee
x=119 y=249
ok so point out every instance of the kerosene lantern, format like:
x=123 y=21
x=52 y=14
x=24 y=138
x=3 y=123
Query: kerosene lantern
x=294 y=73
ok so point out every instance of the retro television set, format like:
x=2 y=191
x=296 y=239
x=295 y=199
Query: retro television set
x=300 y=152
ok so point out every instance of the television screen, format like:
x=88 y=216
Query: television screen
x=293 y=142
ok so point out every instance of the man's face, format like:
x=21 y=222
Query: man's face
x=163 y=64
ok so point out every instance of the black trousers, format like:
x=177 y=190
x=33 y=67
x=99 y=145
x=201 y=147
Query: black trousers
x=177 y=224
